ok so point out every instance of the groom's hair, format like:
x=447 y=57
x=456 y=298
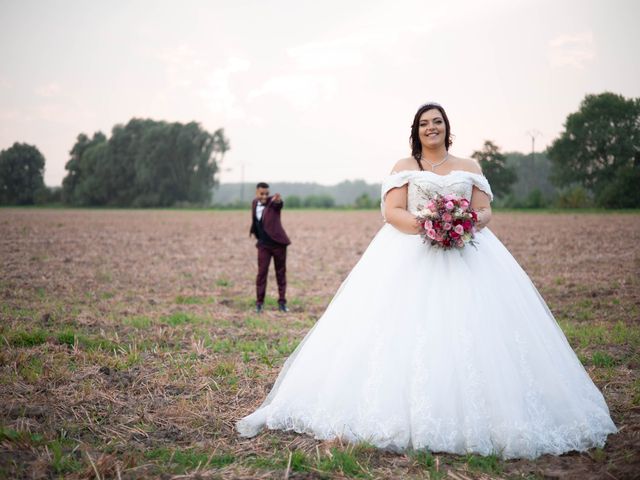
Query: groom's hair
x=262 y=185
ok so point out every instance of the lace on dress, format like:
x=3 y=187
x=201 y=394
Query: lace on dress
x=434 y=183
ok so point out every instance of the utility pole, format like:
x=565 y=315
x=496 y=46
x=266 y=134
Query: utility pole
x=533 y=134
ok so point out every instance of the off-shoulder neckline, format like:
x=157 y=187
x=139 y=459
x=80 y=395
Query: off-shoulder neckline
x=437 y=174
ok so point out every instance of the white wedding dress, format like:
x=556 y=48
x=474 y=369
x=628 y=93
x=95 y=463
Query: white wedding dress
x=452 y=351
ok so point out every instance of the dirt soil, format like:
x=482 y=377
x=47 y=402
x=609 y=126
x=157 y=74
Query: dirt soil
x=127 y=334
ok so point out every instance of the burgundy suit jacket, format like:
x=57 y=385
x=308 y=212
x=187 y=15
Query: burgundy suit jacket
x=270 y=221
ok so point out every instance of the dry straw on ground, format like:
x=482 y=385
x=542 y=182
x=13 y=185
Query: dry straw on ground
x=129 y=346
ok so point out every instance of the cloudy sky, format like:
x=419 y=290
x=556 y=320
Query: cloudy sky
x=309 y=90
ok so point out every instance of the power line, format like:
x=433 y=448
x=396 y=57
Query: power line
x=533 y=134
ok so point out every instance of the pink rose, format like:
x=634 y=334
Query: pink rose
x=447 y=226
x=449 y=205
x=447 y=217
x=459 y=229
x=431 y=233
x=464 y=203
x=448 y=197
x=460 y=243
x=428 y=224
x=431 y=205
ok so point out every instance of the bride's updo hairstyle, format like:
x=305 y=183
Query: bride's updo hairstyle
x=416 y=146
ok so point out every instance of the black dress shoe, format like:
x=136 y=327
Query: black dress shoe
x=259 y=308
x=283 y=307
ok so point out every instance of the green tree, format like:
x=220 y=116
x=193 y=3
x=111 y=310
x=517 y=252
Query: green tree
x=319 y=201
x=574 y=196
x=535 y=199
x=145 y=163
x=599 y=140
x=364 y=201
x=21 y=175
x=533 y=186
x=495 y=168
x=293 y=201
x=81 y=168
x=623 y=191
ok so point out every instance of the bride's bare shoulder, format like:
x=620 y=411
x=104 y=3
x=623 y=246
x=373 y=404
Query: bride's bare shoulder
x=408 y=163
x=468 y=164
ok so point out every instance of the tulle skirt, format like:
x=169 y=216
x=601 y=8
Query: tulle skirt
x=452 y=351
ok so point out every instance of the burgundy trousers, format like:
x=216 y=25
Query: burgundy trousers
x=279 y=254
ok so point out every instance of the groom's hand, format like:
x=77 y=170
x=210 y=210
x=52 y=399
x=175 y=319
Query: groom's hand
x=277 y=198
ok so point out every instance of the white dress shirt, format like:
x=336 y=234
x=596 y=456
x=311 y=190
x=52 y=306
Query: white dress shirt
x=259 y=210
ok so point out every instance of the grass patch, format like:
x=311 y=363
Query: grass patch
x=32 y=369
x=62 y=460
x=224 y=369
x=299 y=461
x=22 y=338
x=66 y=337
x=225 y=372
x=348 y=462
x=72 y=339
x=139 y=322
x=266 y=463
x=286 y=346
x=223 y=345
x=192 y=300
x=585 y=335
x=602 y=359
x=15 y=436
x=425 y=460
x=599 y=455
x=256 y=323
x=223 y=282
x=622 y=333
x=180 y=318
x=635 y=392
x=181 y=461
x=263 y=349
x=487 y=464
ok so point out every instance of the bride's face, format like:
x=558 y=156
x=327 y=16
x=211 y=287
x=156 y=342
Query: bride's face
x=432 y=128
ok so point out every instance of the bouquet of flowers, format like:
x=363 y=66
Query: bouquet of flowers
x=447 y=221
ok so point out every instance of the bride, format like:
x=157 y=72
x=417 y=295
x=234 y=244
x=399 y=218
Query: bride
x=447 y=350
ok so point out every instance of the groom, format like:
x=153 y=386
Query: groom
x=272 y=242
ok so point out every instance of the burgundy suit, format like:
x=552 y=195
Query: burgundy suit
x=272 y=242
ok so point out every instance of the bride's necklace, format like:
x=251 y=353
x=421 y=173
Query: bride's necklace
x=434 y=165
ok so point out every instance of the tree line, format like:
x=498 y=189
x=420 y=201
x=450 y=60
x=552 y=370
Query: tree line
x=348 y=193
x=146 y=163
x=594 y=162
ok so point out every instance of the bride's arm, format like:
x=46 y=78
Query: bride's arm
x=395 y=211
x=480 y=202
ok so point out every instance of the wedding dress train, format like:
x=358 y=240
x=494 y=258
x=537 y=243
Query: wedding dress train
x=452 y=351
